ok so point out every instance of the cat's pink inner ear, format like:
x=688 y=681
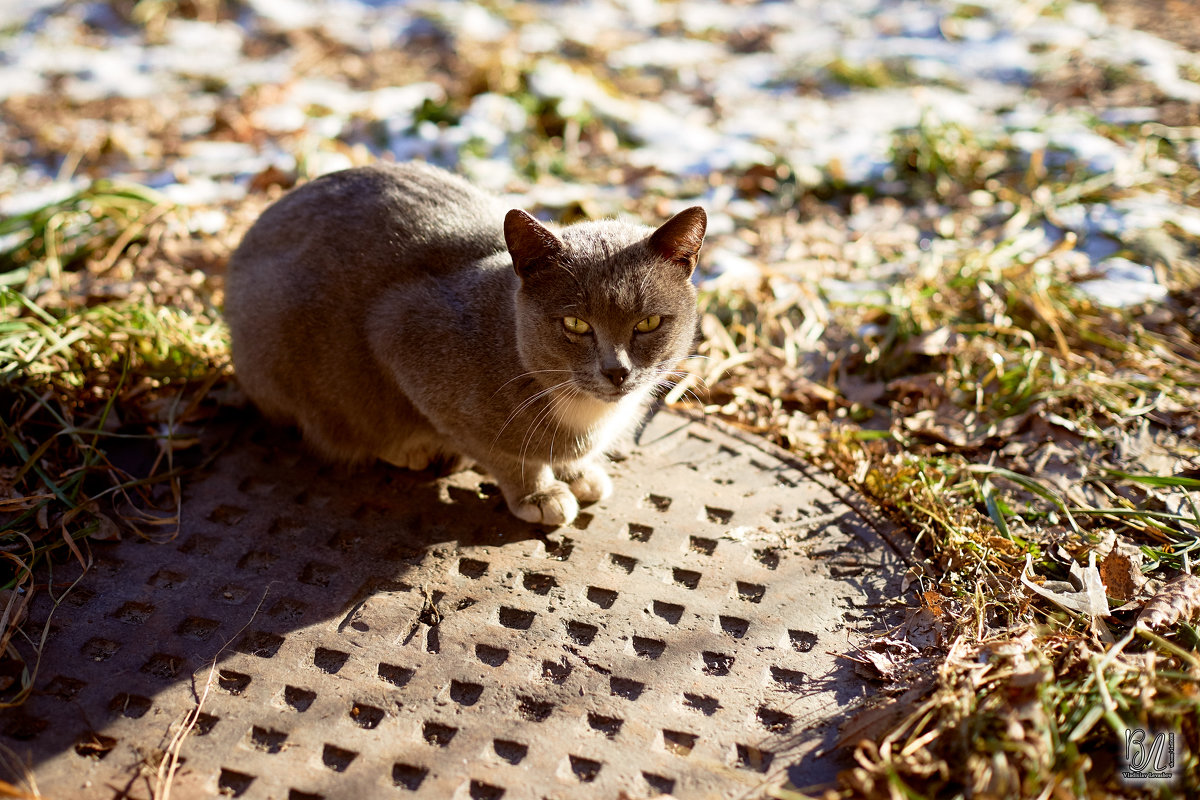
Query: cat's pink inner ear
x=679 y=239
x=530 y=243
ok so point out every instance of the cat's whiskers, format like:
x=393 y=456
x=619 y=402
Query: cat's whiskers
x=688 y=393
x=671 y=380
x=681 y=374
x=665 y=362
x=549 y=409
x=557 y=405
x=528 y=374
x=525 y=404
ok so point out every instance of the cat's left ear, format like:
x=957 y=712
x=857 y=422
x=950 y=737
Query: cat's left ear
x=532 y=246
x=679 y=239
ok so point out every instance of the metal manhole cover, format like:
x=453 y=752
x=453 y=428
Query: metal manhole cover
x=389 y=636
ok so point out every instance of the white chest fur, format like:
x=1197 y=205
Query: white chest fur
x=597 y=424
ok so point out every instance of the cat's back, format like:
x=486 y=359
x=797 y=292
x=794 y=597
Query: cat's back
x=308 y=278
x=379 y=223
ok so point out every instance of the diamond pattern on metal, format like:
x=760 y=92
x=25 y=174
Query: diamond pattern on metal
x=385 y=634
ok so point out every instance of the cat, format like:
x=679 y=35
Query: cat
x=396 y=312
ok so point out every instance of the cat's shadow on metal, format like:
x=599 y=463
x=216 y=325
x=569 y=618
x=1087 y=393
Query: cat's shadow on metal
x=291 y=577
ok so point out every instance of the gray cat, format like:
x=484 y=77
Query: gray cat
x=396 y=312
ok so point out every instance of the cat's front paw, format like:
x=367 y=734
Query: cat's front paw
x=591 y=484
x=553 y=505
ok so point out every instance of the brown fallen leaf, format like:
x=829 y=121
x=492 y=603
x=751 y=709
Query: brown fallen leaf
x=925 y=391
x=1121 y=577
x=1178 y=600
x=874 y=665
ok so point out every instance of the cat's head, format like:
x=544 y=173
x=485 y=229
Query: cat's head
x=606 y=308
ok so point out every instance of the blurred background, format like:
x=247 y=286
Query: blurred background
x=952 y=258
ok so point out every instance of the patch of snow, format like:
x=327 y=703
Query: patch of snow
x=288 y=14
x=673 y=53
x=575 y=92
x=203 y=191
x=210 y=221
x=1125 y=283
x=32 y=199
x=1128 y=214
x=490 y=174
x=1129 y=116
x=1147 y=211
x=327 y=94
x=398 y=101
x=20 y=80
x=689 y=147
x=493 y=118
x=20 y=12
x=760 y=109
x=214 y=158
x=725 y=269
x=323 y=162
x=282 y=118
x=1098 y=153
x=539 y=37
x=471 y=21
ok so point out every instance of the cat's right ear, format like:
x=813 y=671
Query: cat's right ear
x=680 y=238
x=532 y=246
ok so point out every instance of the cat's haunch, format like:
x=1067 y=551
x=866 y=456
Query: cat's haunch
x=397 y=312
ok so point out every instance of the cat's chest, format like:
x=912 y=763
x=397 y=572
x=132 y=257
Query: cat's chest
x=594 y=425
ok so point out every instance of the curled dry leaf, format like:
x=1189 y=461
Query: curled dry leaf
x=1084 y=594
x=106 y=529
x=1178 y=600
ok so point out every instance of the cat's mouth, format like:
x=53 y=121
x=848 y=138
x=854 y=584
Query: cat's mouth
x=613 y=394
x=589 y=393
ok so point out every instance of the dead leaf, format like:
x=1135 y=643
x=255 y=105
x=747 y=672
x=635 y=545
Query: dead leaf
x=959 y=427
x=918 y=391
x=1120 y=575
x=106 y=529
x=937 y=342
x=1085 y=595
x=875 y=666
x=271 y=176
x=933 y=601
x=1178 y=600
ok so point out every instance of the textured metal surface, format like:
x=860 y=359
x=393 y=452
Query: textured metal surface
x=378 y=634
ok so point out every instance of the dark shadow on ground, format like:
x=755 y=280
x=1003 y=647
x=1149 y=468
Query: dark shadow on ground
x=274 y=542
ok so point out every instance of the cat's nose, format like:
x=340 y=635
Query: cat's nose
x=616 y=375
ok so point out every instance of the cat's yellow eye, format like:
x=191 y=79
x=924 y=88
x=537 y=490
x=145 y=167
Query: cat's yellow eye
x=649 y=323
x=576 y=325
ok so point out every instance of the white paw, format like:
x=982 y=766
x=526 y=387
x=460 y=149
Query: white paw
x=592 y=484
x=554 y=505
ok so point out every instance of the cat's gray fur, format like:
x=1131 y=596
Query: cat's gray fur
x=397 y=312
